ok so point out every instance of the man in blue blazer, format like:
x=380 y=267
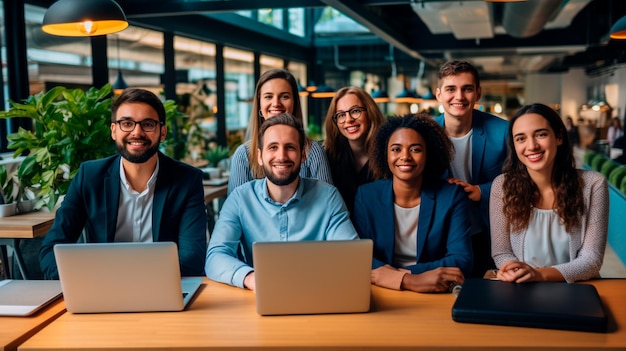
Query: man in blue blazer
x=480 y=149
x=139 y=195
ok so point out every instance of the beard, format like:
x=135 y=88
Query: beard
x=136 y=158
x=278 y=179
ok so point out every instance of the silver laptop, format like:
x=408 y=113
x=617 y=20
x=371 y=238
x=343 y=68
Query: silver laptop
x=311 y=277
x=123 y=277
x=25 y=297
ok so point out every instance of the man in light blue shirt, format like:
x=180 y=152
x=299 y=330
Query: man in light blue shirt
x=280 y=207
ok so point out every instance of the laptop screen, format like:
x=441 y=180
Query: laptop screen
x=121 y=277
x=309 y=277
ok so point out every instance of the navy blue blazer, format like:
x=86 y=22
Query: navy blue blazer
x=178 y=211
x=443 y=230
x=489 y=150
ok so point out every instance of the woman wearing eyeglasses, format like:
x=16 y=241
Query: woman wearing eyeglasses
x=276 y=93
x=351 y=124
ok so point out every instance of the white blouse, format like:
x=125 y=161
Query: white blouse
x=546 y=242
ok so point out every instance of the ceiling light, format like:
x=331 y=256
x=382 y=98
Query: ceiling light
x=380 y=96
x=323 y=92
x=311 y=87
x=302 y=90
x=618 y=30
x=120 y=83
x=78 y=18
x=406 y=96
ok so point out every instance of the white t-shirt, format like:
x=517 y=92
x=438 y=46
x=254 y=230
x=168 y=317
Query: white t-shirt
x=461 y=166
x=405 y=249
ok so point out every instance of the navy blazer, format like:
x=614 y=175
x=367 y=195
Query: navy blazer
x=91 y=202
x=443 y=230
x=489 y=150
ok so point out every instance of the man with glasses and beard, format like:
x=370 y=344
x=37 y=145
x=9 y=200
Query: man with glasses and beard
x=139 y=195
x=280 y=207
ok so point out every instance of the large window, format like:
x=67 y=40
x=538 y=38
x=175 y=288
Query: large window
x=239 y=74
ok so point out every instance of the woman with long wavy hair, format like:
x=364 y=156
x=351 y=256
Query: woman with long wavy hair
x=549 y=220
x=352 y=121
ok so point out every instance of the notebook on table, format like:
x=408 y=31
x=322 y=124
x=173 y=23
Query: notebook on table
x=552 y=305
x=123 y=277
x=25 y=297
x=312 y=277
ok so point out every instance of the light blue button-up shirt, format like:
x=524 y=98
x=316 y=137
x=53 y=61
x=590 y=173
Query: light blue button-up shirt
x=315 y=212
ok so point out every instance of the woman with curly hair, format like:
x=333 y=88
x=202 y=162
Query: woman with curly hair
x=276 y=93
x=351 y=124
x=419 y=223
x=548 y=220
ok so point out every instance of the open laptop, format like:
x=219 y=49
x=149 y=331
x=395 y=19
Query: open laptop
x=123 y=277
x=25 y=297
x=552 y=305
x=311 y=277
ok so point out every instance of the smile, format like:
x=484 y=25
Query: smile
x=353 y=129
x=535 y=157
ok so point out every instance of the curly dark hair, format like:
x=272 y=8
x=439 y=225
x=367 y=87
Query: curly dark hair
x=439 y=149
x=521 y=193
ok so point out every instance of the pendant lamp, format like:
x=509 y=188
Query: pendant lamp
x=311 y=87
x=79 y=18
x=618 y=30
x=406 y=96
x=302 y=90
x=380 y=96
x=323 y=92
x=119 y=85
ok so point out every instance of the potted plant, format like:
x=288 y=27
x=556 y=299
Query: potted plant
x=182 y=132
x=69 y=126
x=7 y=205
x=216 y=153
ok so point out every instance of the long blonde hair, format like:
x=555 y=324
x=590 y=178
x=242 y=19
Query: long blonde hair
x=256 y=118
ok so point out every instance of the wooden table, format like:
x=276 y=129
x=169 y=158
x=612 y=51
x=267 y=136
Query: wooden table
x=224 y=318
x=23 y=226
x=16 y=330
x=26 y=226
x=212 y=192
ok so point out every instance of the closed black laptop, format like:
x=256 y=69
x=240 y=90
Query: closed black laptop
x=549 y=305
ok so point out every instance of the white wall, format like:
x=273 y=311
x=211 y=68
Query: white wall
x=542 y=88
x=573 y=92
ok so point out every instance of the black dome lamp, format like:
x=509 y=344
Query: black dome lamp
x=78 y=18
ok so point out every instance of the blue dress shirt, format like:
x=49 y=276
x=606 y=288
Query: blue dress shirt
x=315 y=212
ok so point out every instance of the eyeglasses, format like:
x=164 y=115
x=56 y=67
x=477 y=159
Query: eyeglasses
x=355 y=113
x=147 y=125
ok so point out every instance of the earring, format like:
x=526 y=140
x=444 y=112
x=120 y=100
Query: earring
x=261 y=113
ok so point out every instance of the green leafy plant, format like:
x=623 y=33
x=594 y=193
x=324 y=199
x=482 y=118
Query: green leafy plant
x=314 y=131
x=7 y=182
x=217 y=153
x=182 y=132
x=69 y=126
